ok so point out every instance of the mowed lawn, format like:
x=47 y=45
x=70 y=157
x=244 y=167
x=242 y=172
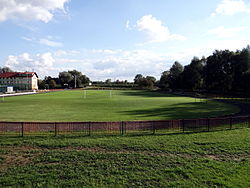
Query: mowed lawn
x=211 y=159
x=101 y=105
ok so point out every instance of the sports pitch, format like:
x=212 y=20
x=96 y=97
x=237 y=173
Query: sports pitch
x=105 y=105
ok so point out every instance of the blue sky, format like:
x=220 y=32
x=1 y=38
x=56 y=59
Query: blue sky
x=117 y=39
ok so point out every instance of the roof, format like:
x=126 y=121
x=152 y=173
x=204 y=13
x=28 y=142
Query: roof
x=17 y=74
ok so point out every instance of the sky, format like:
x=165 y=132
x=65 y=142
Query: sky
x=117 y=39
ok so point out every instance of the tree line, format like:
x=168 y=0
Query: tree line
x=65 y=79
x=223 y=71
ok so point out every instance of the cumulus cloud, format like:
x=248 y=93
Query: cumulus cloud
x=30 y=9
x=155 y=29
x=231 y=7
x=121 y=65
x=223 y=32
x=41 y=63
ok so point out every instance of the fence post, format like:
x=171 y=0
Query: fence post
x=249 y=122
x=55 y=129
x=183 y=125
x=231 y=122
x=22 y=125
x=208 y=124
x=121 y=127
x=124 y=127
x=153 y=126
x=89 y=128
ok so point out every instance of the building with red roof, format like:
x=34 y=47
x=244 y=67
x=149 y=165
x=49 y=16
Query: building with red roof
x=20 y=80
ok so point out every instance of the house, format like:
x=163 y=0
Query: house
x=20 y=80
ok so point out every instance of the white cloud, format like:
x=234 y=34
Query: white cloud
x=223 y=32
x=128 y=25
x=123 y=64
x=231 y=7
x=42 y=10
x=47 y=41
x=105 y=51
x=41 y=63
x=50 y=43
x=155 y=29
x=27 y=39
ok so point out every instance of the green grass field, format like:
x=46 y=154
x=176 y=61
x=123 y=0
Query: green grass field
x=211 y=159
x=99 y=106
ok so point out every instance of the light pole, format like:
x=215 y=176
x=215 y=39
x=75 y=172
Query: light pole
x=75 y=81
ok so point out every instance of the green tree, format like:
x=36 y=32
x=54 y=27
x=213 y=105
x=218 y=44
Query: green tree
x=65 y=78
x=41 y=84
x=192 y=76
x=219 y=71
x=108 y=81
x=151 y=78
x=137 y=78
x=164 y=80
x=241 y=69
x=52 y=84
x=5 y=69
x=174 y=76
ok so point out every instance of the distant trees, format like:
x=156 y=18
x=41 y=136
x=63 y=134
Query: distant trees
x=144 y=82
x=223 y=71
x=73 y=79
x=5 y=69
x=65 y=79
x=52 y=84
x=171 y=79
x=192 y=76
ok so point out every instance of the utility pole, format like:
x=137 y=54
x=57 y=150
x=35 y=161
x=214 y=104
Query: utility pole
x=75 y=80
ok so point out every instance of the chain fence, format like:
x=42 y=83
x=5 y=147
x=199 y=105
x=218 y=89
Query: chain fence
x=123 y=127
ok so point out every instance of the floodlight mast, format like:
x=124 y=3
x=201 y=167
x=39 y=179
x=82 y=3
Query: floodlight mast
x=75 y=81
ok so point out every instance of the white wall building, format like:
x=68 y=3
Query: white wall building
x=20 y=80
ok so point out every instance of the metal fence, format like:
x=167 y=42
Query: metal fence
x=123 y=127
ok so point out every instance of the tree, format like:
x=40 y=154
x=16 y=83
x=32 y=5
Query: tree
x=192 y=76
x=78 y=79
x=84 y=79
x=219 y=71
x=145 y=83
x=52 y=84
x=174 y=76
x=241 y=69
x=137 y=78
x=65 y=78
x=41 y=84
x=108 y=81
x=164 y=80
x=151 y=78
x=5 y=69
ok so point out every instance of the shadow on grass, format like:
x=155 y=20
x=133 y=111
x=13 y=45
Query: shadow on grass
x=181 y=111
x=144 y=93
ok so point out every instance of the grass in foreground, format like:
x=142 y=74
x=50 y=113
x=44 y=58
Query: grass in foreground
x=99 y=106
x=215 y=159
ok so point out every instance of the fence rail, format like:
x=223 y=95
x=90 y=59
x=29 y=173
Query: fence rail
x=123 y=127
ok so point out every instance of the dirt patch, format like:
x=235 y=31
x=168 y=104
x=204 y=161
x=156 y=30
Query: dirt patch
x=16 y=156
x=237 y=158
x=25 y=155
